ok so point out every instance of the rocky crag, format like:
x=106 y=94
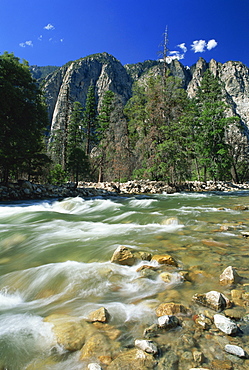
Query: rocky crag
x=71 y=82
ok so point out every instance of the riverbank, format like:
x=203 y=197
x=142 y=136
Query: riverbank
x=23 y=189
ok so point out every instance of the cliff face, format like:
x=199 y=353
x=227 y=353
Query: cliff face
x=234 y=77
x=71 y=82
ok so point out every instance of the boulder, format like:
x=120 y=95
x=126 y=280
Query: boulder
x=123 y=256
x=229 y=276
x=146 y=345
x=171 y=309
x=98 y=345
x=133 y=359
x=235 y=350
x=213 y=299
x=165 y=259
x=100 y=315
x=70 y=332
x=225 y=324
x=168 y=322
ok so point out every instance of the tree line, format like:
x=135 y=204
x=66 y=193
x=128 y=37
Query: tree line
x=160 y=134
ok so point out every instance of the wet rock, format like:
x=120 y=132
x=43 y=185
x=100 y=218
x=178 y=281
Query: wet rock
x=221 y=365
x=101 y=315
x=94 y=366
x=213 y=299
x=235 y=313
x=229 y=276
x=168 y=322
x=171 y=309
x=241 y=207
x=166 y=277
x=203 y=321
x=169 y=361
x=198 y=357
x=70 y=332
x=225 y=324
x=98 y=345
x=151 y=331
x=111 y=331
x=144 y=256
x=165 y=259
x=123 y=256
x=146 y=345
x=133 y=359
x=245 y=234
x=214 y=243
x=235 y=350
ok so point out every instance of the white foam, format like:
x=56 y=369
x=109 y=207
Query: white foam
x=142 y=203
x=8 y=300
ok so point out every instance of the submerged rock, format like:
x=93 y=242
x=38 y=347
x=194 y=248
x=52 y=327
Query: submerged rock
x=203 y=321
x=235 y=350
x=213 y=299
x=165 y=259
x=133 y=359
x=229 y=276
x=123 y=256
x=100 y=315
x=98 y=345
x=146 y=345
x=225 y=324
x=171 y=309
x=70 y=332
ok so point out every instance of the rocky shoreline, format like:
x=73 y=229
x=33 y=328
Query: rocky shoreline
x=23 y=189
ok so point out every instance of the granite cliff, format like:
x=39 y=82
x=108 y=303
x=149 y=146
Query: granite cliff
x=70 y=83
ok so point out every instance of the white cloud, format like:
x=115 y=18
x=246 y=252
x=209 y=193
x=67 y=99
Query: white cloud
x=198 y=46
x=183 y=47
x=26 y=43
x=40 y=38
x=49 y=27
x=211 y=44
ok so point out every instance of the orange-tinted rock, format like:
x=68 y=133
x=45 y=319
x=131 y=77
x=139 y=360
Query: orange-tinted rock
x=164 y=259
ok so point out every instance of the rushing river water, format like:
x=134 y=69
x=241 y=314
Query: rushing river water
x=55 y=258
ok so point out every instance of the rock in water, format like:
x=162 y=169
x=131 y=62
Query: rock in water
x=235 y=350
x=171 y=309
x=100 y=315
x=213 y=299
x=123 y=256
x=146 y=346
x=168 y=321
x=165 y=259
x=225 y=324
x=229 y=276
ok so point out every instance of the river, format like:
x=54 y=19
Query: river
x=55 y=258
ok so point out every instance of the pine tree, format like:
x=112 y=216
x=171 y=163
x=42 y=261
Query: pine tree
x=209 y=129
x=89 y=120
x=77 y=161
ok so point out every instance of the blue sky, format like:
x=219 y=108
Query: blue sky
x=53 y=32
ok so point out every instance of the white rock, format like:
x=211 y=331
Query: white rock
x=235 y=350
x=225 y=324
x=229 y=276
x=168 y=321
x=146 y=345
x=94 y=366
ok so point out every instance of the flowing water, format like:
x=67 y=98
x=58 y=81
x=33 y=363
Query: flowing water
x=55 y=258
